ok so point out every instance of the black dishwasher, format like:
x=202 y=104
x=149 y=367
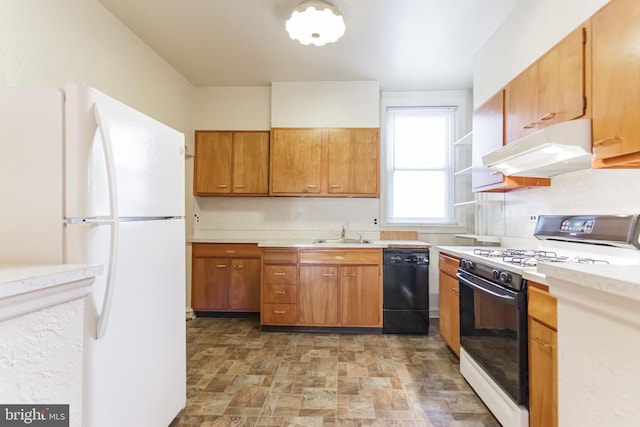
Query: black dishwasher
x=406 y=291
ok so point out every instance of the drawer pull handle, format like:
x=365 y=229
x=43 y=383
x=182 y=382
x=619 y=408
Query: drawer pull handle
x=238 y=266
x=327 y=274
x=529 y=125
x=280 y=292
x=336 y=186
x=279 y=312
x=455 y=290
x=222 y=186
x=312 y=185
x=349 y=274
x=542 y=343
x=603 y=141
x=221 y=265
x=279 y=274
x=230 y=251
x=547 y=116
x=239 y=186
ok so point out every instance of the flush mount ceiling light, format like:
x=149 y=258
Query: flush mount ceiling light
x=315 y=22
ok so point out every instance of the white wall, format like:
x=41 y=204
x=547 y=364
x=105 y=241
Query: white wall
x=516 y=44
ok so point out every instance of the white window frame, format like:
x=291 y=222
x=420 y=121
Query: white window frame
x=458 y=100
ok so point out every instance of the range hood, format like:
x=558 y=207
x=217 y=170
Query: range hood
x=554 y=150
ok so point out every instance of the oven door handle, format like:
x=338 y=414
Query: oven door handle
x=509 y=299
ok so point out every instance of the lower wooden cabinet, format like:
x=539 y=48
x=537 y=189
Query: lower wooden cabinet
x=279 y=287
x=543 y=357
x=225 y=278
x=322 y=288
x=449 y=303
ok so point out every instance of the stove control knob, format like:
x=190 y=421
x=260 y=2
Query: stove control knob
x=505 y=277
x=470 y=265
x=495 y=274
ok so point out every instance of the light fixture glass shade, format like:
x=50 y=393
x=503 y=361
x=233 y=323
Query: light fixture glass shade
x=315 y=22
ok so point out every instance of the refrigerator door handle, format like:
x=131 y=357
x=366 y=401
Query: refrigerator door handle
x=103 y=317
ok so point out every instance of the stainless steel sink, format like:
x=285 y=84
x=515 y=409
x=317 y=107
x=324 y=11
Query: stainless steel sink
x=343 y=241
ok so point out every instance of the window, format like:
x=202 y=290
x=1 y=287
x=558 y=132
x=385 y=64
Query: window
x=419 y=173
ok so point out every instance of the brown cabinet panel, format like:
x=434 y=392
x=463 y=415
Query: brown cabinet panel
x=279 y=293
x=353 y=161
x=280 y=256
x=225 y=277
x=231 y=163
x=318 y=303
x=341 y=256
x=449 y=304
x=284 y=274
x=542 y=306
x=616 y=85
x=210 y=284
x=279 y=314
x=244 y=295
x=543 y=375
x=213 y=163
x=359 y=298
x=521 y=105
x=296 y=161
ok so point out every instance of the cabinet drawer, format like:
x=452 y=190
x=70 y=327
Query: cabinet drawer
x=277 y=293
x=248 y=250
x=286 y=274
x=448 y=264
x=542 y=306
x=276 y=256
x=342 y=256
x=279 y=314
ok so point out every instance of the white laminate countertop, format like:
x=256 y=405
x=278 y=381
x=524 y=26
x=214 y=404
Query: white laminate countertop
x=306 y=244
x=619 y=280
x=17 y=279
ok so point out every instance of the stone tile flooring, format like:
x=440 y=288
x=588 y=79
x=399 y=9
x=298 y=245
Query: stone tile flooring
x=240 y=376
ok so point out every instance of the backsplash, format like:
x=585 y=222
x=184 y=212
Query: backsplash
x=612 y=192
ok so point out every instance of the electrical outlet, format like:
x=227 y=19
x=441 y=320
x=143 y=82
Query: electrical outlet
x=375 y=221
x=533 y=218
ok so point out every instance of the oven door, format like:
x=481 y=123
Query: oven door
x=493 y=331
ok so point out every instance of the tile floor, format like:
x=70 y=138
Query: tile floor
x=240 y=376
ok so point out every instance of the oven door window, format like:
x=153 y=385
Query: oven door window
x=493 y=331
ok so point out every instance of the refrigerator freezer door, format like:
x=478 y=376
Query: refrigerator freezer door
x=136 y=373
x=148 y=159
x=31 y=175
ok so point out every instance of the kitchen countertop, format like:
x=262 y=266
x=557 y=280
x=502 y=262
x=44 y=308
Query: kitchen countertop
x=306 y=244
x=26 y=288
x=619 y=280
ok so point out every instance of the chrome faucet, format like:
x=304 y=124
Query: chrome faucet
x=342 y=233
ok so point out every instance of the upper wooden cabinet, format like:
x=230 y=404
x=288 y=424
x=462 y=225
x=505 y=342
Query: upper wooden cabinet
x=325 y=162
x=550 y=91
x=231 y=163
x=616 y=85
x=488 y=136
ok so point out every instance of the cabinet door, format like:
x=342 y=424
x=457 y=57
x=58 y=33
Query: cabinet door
x=488 y=136
x=521 y=105
x=210 y=283
x=616 y=84
x=212 y=167
x=543 y=375
x=561 y=82
x=318 y=303
x=359 y=296
x=353 y=161
x=251 y=163
x=296 y=156
x=245 y=284
x=449 y=312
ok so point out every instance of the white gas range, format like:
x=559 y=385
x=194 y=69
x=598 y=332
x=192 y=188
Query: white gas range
x=493 y=300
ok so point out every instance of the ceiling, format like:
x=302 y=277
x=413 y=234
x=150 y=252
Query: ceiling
x=402 y=44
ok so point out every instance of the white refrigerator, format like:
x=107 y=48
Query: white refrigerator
x=87 y=179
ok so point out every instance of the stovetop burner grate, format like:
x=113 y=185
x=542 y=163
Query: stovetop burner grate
x=531 y=257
